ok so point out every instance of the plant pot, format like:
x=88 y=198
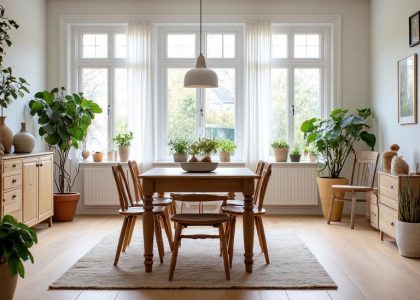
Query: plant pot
x=124 y=153
x=295 y=158
x=325 y=193
x=111 y=156
x=6 y=136
x=313 y=157
x=65 y=206
x=180 y=157
x=98 y=156
x=408 y=239
x=85 y=154
x=7 y=283
x=23 y=141
x=280 y=154
x=193 y=159
x=224 y=156
x=206 y=158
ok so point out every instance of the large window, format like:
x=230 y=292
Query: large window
x=193 y=113
x=100 y=72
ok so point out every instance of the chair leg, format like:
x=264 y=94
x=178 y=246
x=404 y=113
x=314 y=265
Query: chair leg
x=330 y=212
x=120 y=241
x=127 y=233
x=231 y=239
x=224 y=251
x=175 y=252
x=263 y=239
x=353 y=209
x=159 y=241
x=130 y=236
x=257 y=226
x=168 y=229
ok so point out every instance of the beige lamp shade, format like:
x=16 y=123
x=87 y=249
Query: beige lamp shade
x=201 y=76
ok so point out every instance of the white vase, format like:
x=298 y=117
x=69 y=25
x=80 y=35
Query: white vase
x=24 y=142
x=408 y=239
x=124 y=153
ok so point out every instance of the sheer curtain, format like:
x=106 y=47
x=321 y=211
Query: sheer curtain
x=257 y=91
x=140 y=97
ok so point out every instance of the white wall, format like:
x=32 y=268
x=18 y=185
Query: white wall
x=27 y=56
x=389 y=43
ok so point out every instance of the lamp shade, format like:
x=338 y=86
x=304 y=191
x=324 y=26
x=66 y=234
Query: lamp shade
x=201 y=77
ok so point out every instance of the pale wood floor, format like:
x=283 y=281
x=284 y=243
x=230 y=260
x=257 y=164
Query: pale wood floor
x=362 y=266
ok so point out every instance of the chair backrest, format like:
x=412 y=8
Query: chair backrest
x=135 y=172
x=123 y=188
x=265 y=178
x=198 y=198
x=258 y=171
x=364 y=168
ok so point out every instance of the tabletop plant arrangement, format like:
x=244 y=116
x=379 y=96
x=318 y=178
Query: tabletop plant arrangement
x=226 y=148
x=123 y=141
x=281 y=149
x=179 y=148
x=64 y=121
x=334 y=139
x=15 y=240
x=208 y=147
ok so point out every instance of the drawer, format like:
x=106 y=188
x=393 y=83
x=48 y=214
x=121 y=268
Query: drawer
x=388 y=220
x=17 y=215
x=374 y=216
x=12 y=195
x=392 y=203
x=12 y=206
x=388 y=186
x=12 y=166
x=12 y=181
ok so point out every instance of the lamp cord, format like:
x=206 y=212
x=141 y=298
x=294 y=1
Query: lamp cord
x=200 y=24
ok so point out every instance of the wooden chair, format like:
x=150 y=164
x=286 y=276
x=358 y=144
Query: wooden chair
x=164 y=202
x=130 y=214
x=259 y=211
x=362 y=181
x=201 y=219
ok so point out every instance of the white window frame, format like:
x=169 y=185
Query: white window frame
x=164 y=63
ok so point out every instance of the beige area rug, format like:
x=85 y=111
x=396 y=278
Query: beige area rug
x=199 y=266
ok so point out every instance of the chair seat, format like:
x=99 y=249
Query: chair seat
x=139 y=210
x=157 y=201
x=200 y=219
x=235 y=202
x=239 y=210
x=350 y=188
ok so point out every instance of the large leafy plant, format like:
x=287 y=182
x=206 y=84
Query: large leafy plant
x=64 y=122
x=334 y=138
x=15 y=240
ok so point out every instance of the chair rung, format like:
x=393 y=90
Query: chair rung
x=199 y=236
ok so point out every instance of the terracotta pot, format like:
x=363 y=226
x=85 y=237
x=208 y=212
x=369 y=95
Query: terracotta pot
x=6 y=136
x=98 y=156
x=7 y=283
x=280 y=154
x=206 y=158
x=65 y=206
x=85 y=154
x=408 y=239
x=224 y=156
x=24 y=142
x=325 y=193
x=124 y=153
x=295 y=158
x=180 y=157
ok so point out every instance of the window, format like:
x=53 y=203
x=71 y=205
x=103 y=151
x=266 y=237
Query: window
x=300 y=79
x=100 y=72
x=193 y=113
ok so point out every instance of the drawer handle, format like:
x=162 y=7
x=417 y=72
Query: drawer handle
x=13 y=180
x=13 y=196
x=14 y=166
x=392 y=187
x=392 y=223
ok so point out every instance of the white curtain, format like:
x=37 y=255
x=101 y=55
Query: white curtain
x=140 y=91
x=257 y=91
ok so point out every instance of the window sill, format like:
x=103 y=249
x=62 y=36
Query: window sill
x=102 y=163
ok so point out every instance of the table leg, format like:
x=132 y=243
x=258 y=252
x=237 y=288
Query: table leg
x=148 y=224
x=248 y=224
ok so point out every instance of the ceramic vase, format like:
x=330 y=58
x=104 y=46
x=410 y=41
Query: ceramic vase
x=280 y=154
x=224 y=156
x=6 y=135
x=124 y=153
x=85 y=154
x=24 y=142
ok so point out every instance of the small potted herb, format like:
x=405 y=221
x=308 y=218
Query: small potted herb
x=295 y=154
x=179 y=148
x=281 y=149
x=207 y=148
x=123 y=141
x=15 y=240
x=194 y=150
x=226 y=148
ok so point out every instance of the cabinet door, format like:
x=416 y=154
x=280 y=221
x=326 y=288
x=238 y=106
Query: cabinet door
x=30 y=190
x=45 y=194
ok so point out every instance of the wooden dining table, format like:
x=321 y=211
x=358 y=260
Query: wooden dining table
x=160 y=180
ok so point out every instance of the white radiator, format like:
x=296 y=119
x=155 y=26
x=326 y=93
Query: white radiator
x=292 y=184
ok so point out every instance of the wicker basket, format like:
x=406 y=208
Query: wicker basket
x=399 y=166
x=408 y=239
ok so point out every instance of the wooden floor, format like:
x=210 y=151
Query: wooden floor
x=362 y=266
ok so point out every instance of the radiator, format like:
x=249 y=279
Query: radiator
x=292 y=184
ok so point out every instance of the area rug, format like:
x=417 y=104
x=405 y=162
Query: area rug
x=199 y=266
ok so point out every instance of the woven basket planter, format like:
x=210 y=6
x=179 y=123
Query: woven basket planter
x=408 y=239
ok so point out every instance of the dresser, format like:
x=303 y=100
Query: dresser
x=27 y=187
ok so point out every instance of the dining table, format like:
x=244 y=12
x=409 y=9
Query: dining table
x=221 y=180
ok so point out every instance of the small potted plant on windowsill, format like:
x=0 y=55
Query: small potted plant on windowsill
x=123 y=141
x=295 y=154
x=281 y=149
x=15 y=240
x=226 y=148
x=179 y=148
x=207 y=148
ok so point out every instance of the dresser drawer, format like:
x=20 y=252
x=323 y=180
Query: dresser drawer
x=12 y=195
x=390 y=202
x=374 y=216
x=388 y=186
x=387 y=220
x=17 y=215
x=12 y=166
x=12 y=207
x=12 y=181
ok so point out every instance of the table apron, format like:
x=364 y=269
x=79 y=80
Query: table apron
x=198 y=185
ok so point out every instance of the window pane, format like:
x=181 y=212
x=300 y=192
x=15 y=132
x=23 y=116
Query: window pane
x=220 y=106
x=307 y=98
x=214 y=46
x=228 y=46
x=95 y=45
x=181 y=45
x=95 y=87
x=307 y=46
x=120 y=45
x=181 y=106
x=121 y=103
x=280 y=46
x=279 y=113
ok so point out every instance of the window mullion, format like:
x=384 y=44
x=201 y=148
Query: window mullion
x=291 y=101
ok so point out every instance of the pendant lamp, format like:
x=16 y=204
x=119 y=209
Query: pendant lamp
x=201 y=76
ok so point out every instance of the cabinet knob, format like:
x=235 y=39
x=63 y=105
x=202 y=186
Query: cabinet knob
x=13 y=196
x=13 y=180
x=392 y=223
x=392 y=187
x=14 y=166
x=40 y=165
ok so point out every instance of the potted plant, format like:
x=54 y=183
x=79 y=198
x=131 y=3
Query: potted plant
x=313 y=154
x=334 y=139
x=179 y=148
x=194 y=150
x=15 y=240
x=408 y=223
x=123 y=141
x=226 y=148
x=295 y=154
x=207 y=148
x=281 y=149
x=64 y=121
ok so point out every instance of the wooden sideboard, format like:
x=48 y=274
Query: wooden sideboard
x=27 y=187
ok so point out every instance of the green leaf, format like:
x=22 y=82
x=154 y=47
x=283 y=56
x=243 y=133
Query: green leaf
x=368 y=138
